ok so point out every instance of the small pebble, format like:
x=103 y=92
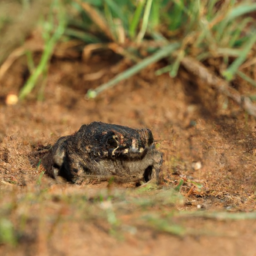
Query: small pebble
x=197 y=166
x=11 y=99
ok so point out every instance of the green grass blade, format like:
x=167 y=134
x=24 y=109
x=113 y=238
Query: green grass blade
x=110 y=21
x=136 y=19
x=175 y=67
x=241 y=10
x=164 y=52
x=246 y=78
x=49 y=47
x=228 y=52
x=158 y=37
x=164 y=225
x=176 y=17
x=230 y=72
x=205 y=35
x=82 y=35
x=232 y=15
x=30 y=61
x=236 y=32
x=203 y=56
x=7 y=232
x=252 y=97
x=178 y=187
x=211 y=9
x=163 y=70
x=118 y=12
x=145 y=21
x=223 y=23
x=155 y=14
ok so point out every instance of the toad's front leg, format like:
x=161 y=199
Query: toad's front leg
x=157 y=159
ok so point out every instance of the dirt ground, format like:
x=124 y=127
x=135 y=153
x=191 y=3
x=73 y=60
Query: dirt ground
x=207 y=141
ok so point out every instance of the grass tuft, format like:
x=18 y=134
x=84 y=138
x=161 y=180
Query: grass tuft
x=7 y=232
x=51 y=34
x=142 y=31
x=204 y=30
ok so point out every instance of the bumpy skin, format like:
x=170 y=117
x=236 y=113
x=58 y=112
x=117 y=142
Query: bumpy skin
x=105 y=150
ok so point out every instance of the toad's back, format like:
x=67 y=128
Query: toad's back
x=99 y=136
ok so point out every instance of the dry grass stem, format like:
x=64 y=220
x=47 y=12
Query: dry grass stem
x=97 y=18
x=222 y=86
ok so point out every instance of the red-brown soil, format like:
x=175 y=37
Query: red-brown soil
x=192 y=128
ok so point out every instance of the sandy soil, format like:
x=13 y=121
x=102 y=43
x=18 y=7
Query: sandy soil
x=205 y=139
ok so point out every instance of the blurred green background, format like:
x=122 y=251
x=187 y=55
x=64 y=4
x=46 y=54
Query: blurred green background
x=218 y=34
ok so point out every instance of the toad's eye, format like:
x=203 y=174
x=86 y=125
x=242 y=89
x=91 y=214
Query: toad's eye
x=112 y=142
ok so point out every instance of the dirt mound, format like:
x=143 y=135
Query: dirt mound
x=213 y=153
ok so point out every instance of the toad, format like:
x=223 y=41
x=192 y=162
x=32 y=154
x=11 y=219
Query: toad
x=105 y=150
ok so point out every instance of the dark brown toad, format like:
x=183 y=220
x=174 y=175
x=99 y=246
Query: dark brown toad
x=106 y=150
